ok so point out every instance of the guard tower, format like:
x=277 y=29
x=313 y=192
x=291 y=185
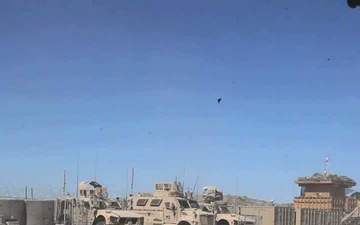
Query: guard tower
x=325 y=191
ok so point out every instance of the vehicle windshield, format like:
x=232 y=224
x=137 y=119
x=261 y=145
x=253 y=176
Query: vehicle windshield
x=206 y=208
x=184 y=203
x=100 y=205
x=115 y=205
x=96 y=204
x=194 y=204
x=224 y=210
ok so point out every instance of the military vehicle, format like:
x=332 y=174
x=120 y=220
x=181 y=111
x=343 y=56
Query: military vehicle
x=92 y=207
x=212 y=203
x=168 y=205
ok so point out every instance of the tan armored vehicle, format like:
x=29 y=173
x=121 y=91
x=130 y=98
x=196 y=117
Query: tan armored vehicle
x=223 y=216
x=92 y=208
x=167 y=205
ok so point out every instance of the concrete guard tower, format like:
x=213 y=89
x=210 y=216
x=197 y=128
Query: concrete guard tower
x=325 y=191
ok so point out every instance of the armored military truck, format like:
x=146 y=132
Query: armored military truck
x=224 y=215
x=167 y=205
x=92 y=208
x=213 y=203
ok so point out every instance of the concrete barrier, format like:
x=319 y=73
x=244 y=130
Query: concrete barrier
x=40 y=212
x=13 y=208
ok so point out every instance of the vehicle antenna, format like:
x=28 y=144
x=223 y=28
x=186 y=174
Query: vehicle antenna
x=126 y=187
x=132 y=180
x=77 y=176
x=183 y=183
x=96 y=161
x=236 y=195
x=64 y=185
x=198 y=184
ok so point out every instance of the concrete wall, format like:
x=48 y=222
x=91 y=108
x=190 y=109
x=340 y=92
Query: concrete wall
x=28 y=212
x=40 y=212
x=270 y=215
x=13 y=208
x=315 y=217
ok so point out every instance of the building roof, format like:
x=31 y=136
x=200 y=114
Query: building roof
x=319 y=178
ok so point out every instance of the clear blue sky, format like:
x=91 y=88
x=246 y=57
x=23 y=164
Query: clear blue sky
x=98 y=77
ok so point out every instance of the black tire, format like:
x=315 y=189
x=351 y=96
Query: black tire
x=222 y=222
x=353 y=3
x=184 y=223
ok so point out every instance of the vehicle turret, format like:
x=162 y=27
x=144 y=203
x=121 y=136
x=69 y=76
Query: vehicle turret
x=90 y=189
x=213 y=202
x=211 y=194
x=169 y=189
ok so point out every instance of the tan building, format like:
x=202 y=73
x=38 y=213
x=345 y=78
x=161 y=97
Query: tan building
x=325 y=191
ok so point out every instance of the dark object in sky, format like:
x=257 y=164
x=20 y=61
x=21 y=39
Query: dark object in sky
x=328 y=59
x=353 y=3
x=219 y=100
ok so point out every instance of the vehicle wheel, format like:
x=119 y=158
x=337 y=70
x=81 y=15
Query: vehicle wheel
x=222 y=222
x=184 y=223
x=353 y=3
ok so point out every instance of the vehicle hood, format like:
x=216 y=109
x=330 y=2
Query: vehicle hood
x=121 y=213
x=244 y=218
x=197 y=211
x=234 y=217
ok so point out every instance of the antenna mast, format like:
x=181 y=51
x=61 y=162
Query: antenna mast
x=326 y=166
x=126 y=188
x=96 y=159
x=183 y=184
x=236 y=195
x=77 y=176
x=132 y=180
x=126 y=182
x=198 y=184
x=64 y=186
